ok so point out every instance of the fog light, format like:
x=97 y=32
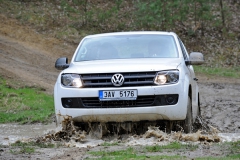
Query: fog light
x=171 y=99
x=67 y=103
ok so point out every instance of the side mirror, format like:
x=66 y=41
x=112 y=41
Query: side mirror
x=195 y=58
x=62 y=63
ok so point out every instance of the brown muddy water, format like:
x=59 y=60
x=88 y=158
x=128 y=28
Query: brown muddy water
x=10 y=133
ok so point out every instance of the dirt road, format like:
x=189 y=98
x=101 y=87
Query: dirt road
x=30 y=65
x=29 y=58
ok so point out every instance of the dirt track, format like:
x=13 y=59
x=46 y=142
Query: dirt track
x=32 y=63
x=29 y=56
x=31 y=66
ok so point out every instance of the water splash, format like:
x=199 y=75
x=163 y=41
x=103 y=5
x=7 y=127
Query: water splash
x=72 y=135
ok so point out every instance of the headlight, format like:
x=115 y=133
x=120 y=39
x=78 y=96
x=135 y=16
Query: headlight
x=71 y=80
x=167 y=77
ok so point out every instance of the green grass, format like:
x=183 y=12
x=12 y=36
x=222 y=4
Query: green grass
x=233 y=149
x=23 y=150
x=32 y=143
x=222 y=72
x=24 y=104
x=171 y=146
x=129 y=153
x=110 y=144
x=28 y=147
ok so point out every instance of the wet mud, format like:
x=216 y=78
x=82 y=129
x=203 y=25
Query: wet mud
x=10 y=133
x=70 y=133
x=220 y=106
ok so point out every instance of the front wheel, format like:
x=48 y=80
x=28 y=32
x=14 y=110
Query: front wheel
x=187 y=123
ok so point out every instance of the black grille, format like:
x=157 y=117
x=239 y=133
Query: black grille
x=140 y=101
x=131 y=79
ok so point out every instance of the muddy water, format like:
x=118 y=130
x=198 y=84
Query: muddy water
x=9 y=133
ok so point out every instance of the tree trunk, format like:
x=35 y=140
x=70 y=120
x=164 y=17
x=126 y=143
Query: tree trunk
x=222 y=13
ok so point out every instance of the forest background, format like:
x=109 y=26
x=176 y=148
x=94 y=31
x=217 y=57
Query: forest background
x=208 y=26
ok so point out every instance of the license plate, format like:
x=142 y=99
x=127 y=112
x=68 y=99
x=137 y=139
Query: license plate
x=117 y=95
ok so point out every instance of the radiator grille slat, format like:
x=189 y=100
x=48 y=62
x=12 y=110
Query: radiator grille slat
x=141 y=101
x=130 y=79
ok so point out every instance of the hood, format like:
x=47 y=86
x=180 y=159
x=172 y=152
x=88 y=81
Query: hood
x=123 y=65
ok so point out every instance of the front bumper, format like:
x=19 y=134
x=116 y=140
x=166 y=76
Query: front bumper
x=151 y=112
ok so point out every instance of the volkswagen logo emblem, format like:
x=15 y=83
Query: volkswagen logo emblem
x=117 y=79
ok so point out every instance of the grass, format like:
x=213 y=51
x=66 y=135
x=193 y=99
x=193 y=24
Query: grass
x=24 y=104
x=32 y=143
x=163 y=152
x=171 y=146
x=233 y=151
x=222 y=72
x=129 y=153
x=110 y=144
x=234 y=146
x=28 y=147
x=23 y=150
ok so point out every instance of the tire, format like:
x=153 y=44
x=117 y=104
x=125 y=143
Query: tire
x=169 y=126
x=188 y=122
x=199 y=109
x=198 y=125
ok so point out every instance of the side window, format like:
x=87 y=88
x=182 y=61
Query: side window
x=184 y=51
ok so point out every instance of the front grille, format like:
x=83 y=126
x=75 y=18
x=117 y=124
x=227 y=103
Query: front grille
x=141 y=101
x=131 y=79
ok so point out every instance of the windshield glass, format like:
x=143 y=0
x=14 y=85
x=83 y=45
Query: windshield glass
x=127 y=47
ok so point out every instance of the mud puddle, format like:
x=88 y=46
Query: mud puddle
x=9 y=133
x=75 y=143
x=71 y=135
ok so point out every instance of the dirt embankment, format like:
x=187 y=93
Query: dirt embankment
x=29 y=57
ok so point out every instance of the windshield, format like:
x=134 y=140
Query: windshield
x=127 y=47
